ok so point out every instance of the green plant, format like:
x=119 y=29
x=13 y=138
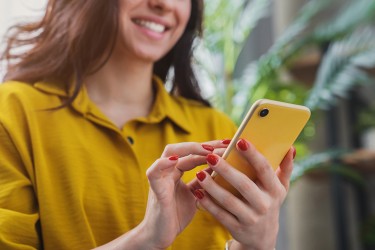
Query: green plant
x=327 y=161
x=344 y=67
x=227 y=26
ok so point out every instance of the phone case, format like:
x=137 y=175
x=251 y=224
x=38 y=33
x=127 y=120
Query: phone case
x=272 y=127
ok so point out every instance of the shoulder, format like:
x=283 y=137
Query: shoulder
x=14 y=93
x=15 y=88
x=20 y=101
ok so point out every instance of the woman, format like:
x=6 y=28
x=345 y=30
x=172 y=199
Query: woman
x=96 y=153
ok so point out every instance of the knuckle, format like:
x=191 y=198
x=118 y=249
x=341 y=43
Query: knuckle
x=151 y=170
x=220 y=215
x=280 y=191
x=262 y=168
x=223 y=169
x=168 y=149
x=282 y=194
x=150 y=174
x=251 y=220
x=244 y=186
x=227 y=200
x=255 y=220
x=264 y=207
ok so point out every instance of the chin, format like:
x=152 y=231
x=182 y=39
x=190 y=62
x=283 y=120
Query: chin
x=150 y=57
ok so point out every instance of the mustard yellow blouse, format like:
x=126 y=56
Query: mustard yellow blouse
x=70 y=179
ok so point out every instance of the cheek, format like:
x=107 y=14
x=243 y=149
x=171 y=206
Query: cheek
x=185 y=15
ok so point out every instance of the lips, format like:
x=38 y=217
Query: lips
x=153 y=26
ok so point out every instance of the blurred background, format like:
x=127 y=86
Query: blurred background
x=319 y=53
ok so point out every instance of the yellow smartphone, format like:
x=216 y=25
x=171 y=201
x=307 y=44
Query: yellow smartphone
x=272 y=127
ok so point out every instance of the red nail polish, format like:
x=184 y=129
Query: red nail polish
x=199 y=194
x=242 y=144
x=208 y=147
x=225 y=141
x=294 y=152
x=173 y=158
x=201 y=175
x=212 y=159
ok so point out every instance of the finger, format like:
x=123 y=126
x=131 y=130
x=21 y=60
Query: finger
x=219 y=143
x=219 y=151
x=242 y=183
x=187 y=148
x=286 y=167
x=194 y=184
x=156 y=172
x=227 y=200
x=224 y=217
x=189 y=162
x=264 y=172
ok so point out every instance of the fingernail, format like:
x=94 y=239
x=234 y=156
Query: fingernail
x=212 y=159
x=242 y=144
x=208 y=147
x=173 y=158
x=225 y=141
x=199 y=194
x=201 y=175
x=294 y=152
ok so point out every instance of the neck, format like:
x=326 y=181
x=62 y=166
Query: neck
x=122 y=89
x=125 y=82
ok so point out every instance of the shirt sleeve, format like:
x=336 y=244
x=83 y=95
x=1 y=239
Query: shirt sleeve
x=19 y=217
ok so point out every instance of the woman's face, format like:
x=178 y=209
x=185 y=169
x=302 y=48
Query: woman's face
x=150 y=28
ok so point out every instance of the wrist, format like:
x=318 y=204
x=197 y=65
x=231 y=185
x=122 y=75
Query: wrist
x=136 y=239
x=144 y=238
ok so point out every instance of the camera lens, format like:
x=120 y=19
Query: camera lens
x=264 y=112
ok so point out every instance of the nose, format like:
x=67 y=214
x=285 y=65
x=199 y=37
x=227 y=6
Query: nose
x=161 y=5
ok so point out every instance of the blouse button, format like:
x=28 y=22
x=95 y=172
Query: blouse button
x=130 y=140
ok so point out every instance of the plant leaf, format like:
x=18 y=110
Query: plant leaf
x=342 y=68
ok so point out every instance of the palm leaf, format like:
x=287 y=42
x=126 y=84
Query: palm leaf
x=352 y=15
x=326 y=161
x=257 y=75
x=343 y=67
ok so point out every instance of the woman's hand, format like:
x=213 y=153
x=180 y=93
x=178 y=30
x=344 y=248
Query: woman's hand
x=253 y=220
x=171 y=203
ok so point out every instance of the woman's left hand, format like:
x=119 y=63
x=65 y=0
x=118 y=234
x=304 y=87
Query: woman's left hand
x=253 y=220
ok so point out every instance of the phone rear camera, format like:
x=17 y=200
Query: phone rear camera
x=264 y=112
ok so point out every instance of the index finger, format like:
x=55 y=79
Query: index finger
x=187 y=148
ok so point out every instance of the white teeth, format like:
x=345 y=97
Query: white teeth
x=151 y=25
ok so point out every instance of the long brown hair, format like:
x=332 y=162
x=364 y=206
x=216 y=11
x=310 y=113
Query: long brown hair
x=75 y=38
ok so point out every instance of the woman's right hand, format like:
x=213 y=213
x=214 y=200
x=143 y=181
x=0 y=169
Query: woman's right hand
x=171 y=203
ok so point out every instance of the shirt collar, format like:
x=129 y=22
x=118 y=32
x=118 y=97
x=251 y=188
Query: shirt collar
x=165 y=105
x=52 y=88
x=168 y=106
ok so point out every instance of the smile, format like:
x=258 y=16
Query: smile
x=156 y=27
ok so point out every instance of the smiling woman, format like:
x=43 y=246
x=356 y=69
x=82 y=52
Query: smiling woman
x=148 y=34
x=95 y=153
